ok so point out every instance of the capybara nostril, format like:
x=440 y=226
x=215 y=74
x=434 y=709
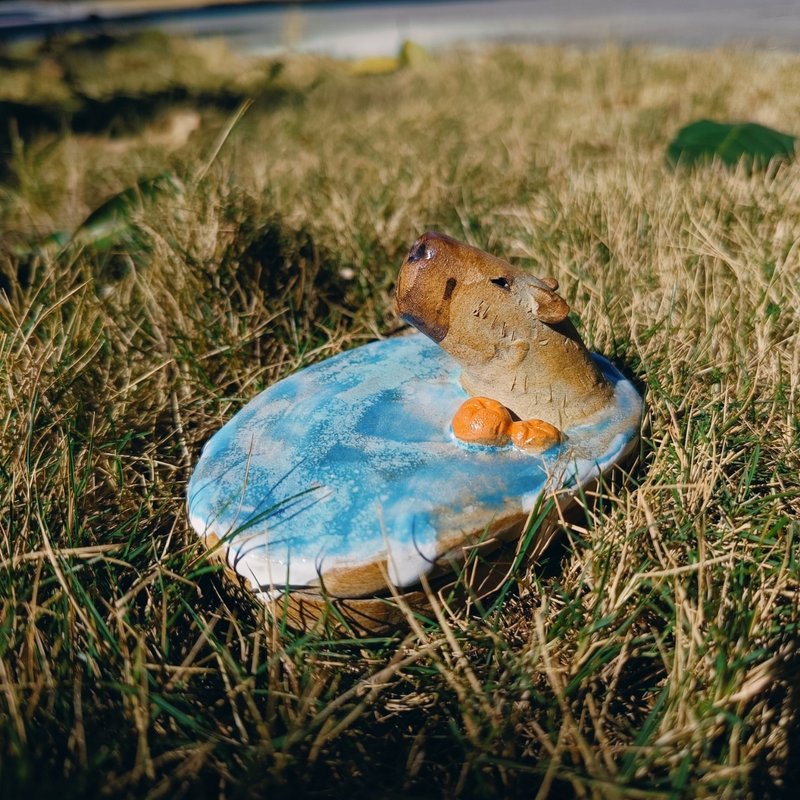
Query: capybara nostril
x=418 y=251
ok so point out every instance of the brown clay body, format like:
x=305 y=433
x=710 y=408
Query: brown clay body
x=508 y=330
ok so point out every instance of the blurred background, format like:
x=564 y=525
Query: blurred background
x=364 y=28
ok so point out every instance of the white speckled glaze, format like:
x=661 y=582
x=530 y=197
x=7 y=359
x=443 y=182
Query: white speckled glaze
x=352 y=461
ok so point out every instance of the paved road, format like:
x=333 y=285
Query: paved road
x=356 y=29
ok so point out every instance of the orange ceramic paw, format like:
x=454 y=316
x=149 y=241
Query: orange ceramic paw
x=482 y=421
x=534 y=434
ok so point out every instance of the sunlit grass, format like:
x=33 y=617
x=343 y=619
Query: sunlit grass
x=653 y=654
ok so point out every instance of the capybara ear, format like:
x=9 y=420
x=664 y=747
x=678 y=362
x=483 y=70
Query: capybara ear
x=550 y=307
x=551 y=283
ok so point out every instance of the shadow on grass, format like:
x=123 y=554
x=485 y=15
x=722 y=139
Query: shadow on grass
x=777 y=772
x=102 y=85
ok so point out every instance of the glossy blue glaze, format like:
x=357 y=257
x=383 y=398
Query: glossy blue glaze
x=352 y=460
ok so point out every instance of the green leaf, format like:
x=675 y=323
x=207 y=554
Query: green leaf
x=705 y=140
x=112 y=220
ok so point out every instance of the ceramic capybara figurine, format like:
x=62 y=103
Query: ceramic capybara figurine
x=520 y=355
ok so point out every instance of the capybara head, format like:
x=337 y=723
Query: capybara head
x=476 y=306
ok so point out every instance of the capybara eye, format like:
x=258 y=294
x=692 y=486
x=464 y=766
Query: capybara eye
x=503 y=283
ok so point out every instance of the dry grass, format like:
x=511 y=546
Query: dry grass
x=654 y=655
